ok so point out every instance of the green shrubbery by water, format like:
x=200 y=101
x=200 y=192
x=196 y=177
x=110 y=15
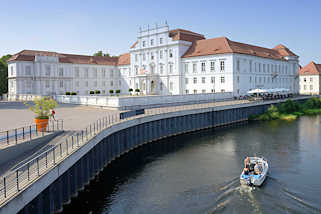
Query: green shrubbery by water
x=290 y=110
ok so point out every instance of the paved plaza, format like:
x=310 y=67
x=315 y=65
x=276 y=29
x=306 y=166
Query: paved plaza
x=75 y=117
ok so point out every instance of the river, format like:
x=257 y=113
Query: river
x=199 y=173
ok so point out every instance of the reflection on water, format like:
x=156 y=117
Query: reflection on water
x=199 y=173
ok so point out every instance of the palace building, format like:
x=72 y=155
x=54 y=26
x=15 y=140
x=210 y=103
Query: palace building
x=161 y=61
x=310 y=81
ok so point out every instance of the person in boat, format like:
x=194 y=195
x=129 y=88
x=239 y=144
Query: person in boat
x=257 y=168
x=247 y=162
x=246 y=171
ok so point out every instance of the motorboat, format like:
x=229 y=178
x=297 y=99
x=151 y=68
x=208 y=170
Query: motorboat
x=255 y=172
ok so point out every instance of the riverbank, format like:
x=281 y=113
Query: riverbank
x=290 y=110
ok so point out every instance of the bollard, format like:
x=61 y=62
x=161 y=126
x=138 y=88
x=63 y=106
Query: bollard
x=38 y=170
x=23 y=133
x=17 y=176
x=15 y=132
x=46 y=160
x=54 y=156
x=28 y=172
x=60 y=149
x=4 y=187
x=30 y=132
x=8 y=137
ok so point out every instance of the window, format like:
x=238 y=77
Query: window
x=161 y=86
x=144 y=43
x=151 y=56
x=305 y=79
x=222 y=65
x=305 y=87
x=195 y=91
x=170 y=68
x=195 y=80
x=238 y=65
x=203 y=66
x=144 y=57
x=95 y=72
x=111 y=83
x=28 y=70
x=61 y=83
x=161 y=68
x=203 y=79
x=250 y=65
x=250 y=79
x=311 y=87
x=222 y=79
x=186 y=80
x=160 y=40
x=238 y=79
x=171 y=86
x=86 y=72
x=47 y=84
x=136 y=57
x=119 y=82
x=76 y=72
x=212 y=66
x=48 y=68
x=203 y=91
x=104 y=73
x=86 y=83
x=186 y=68
x=104 y=83
x=186 y=91
x=170 y=53
x=11 y=70
x=111 y=73
x=161 y=54
x=136 y=70
x=213 y=80
x=194 y=68
x=95 y=83
x=222 y=90
x=263 y=68
x=152 y=42
x=61 y=72
x=77 y=84
x=311 y=79
x=28 y=83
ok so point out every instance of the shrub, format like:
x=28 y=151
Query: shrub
x=117 y=91
x=288 y=107
x=73 y=93
x=91 y=92
x=312 y=103
x=67 y=93
x=130 y=90
x=97 y=92
x=111 y=91
x=137 y=90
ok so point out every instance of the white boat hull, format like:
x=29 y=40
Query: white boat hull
x=255 y=179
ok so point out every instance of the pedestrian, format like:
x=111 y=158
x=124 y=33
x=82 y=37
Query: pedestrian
x=53 y=114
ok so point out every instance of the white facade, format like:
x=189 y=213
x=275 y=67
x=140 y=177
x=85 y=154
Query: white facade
x=310 y=84
x=156 y=67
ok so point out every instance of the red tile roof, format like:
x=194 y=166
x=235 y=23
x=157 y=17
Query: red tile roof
x=124 y=59
x=134 y=45
x=185 y=35
x=223 y=45
x=29 y=55
x=311 y=69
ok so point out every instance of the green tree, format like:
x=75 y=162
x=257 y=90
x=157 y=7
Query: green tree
x=4 y=74
x=100 y=53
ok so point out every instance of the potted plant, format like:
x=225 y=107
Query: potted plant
x=73 y=93
x=91 y=92
x=42 y=108
x=67 y=93
x=111 y=91
x=117 y=92
x=137 y=91
x=97 y=92
x=130 y=91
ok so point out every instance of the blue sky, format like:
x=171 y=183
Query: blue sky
x=84 y=27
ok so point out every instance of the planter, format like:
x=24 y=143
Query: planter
x=41 y=124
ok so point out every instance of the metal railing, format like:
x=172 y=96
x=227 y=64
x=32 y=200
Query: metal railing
x=14 y=181
x=26 y=133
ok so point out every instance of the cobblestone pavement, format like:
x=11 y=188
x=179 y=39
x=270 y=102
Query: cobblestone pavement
x=16 y=114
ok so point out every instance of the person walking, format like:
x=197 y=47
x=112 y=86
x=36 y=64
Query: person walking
x=53 y=114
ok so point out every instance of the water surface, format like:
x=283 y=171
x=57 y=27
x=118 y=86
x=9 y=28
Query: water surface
x=199 y=173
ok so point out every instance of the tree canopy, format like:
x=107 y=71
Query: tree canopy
x=100 y=53
x=4 y=74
